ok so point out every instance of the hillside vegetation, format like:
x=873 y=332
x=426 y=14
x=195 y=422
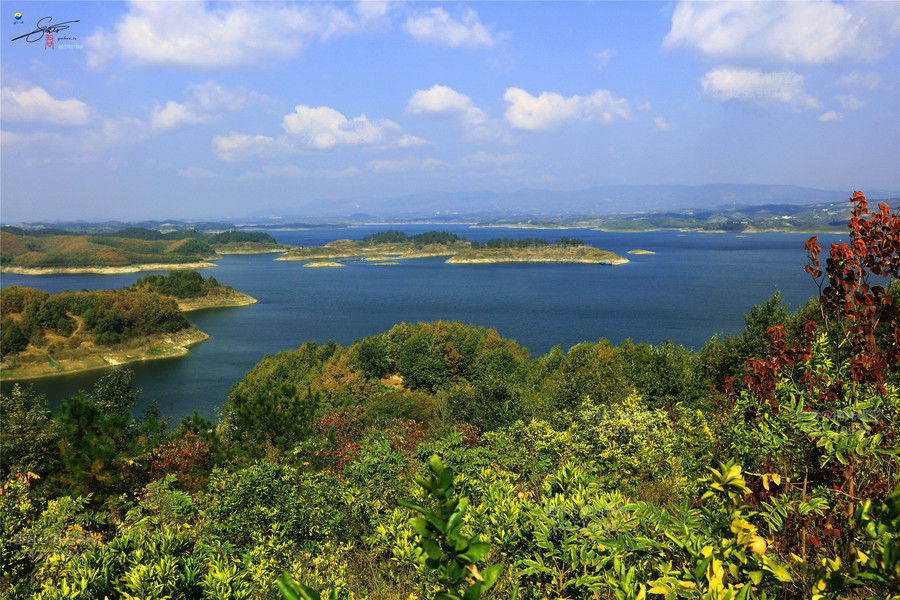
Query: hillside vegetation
x=48 y=249
x=439 y=460
x=74 y=251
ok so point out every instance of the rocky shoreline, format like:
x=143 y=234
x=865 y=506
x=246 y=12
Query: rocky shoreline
x=102 y=357
x=107 y=270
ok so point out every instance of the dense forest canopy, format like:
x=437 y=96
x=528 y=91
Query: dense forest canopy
x=392 y=236
x=180 y=284
x=439 y=458
x=29 y=315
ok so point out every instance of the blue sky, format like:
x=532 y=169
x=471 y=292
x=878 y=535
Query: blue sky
x=220 y=110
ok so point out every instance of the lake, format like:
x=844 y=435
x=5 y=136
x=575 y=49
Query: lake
x=695 y=286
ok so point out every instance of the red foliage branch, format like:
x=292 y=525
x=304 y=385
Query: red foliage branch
x=852 y=310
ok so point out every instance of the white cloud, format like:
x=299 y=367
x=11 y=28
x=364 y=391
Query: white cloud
x=196 y=173
x=406 y=164
x=551 y=111
x=324 y=128
x=204 y=103
x=601 y=59
x=444 y=101
x=659 y=125
x=869 y=81
x=810 y=33
x=754 y=87
x=831 y=115
x=239 y=146
x=320 y=128
x=201 y=36
x=850 y=102
x=440 y=99
x=36 y=104
x=174 y=114
x=436 y=26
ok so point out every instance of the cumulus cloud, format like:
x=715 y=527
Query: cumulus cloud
x=201 y=36
x=754 y=87
x=174 y=114
x=239 y=146
x=196 y=173
x=320 y=128
x=324 y=128
x=831 y=115
x=808 y=33
x=36 y=104
x=436 y=26
x=204 y=104
x=550 y=110
x=659 y=125
x=444 y=101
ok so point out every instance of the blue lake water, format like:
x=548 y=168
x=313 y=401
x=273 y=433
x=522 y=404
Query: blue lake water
x=695 y=286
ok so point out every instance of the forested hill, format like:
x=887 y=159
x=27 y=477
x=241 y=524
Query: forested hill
x=96 y=251
x=47 y=249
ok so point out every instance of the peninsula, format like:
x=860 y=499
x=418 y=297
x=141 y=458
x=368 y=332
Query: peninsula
x=395 y=245
x=43 y=335
x=43 y=251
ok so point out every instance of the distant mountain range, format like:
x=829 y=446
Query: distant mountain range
x=709 y=204
x=594 y=201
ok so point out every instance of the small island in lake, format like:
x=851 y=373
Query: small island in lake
x=394 y=245
x=43 y=334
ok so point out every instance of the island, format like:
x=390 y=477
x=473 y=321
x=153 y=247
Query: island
x=191 y=291
x=392 y=245
x=43 y=335
x=46 y=251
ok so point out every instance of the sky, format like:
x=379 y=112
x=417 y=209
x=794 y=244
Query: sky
x=193 y=110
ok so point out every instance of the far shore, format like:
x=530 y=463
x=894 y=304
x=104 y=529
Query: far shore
x=100 y=357
x=107 y=270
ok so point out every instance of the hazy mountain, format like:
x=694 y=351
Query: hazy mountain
x=596 y=201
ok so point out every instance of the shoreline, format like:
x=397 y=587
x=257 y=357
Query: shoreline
x=159 y=346
x=107 y=270
x=219 y=301
x=615 y=260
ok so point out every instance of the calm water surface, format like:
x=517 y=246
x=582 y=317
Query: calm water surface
x=695 y=286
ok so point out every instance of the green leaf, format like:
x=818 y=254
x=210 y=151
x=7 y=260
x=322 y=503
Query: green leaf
x=476 y=552
x=491 y=574
x=412 y=505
